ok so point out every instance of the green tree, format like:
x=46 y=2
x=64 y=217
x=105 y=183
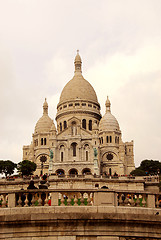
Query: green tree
x=147 y=167
x=7 y=167
x=26 y=167
x=138 y=172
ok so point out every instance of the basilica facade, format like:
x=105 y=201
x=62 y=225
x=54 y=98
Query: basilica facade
x=83 y=142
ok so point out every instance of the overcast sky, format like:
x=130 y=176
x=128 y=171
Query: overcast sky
x=120 y=47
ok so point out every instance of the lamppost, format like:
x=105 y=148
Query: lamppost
x=42 y=160
x=51 y=162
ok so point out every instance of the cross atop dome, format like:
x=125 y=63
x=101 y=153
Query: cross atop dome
x=78 y=63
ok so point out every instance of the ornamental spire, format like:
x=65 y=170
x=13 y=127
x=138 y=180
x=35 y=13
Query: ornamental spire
x=45 y=107
x=78 y=63
x=108 y=104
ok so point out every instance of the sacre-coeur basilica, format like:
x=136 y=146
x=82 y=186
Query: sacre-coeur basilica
x=84 y=141
x=83 y=187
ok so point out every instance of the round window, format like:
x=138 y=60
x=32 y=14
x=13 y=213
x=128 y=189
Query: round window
x=43 y=159
x=109 y=156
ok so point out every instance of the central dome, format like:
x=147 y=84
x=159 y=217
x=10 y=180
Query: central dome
x=78 y=88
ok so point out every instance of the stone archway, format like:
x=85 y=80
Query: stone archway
x=60 y=172
x=86 y=171
x=73 y=172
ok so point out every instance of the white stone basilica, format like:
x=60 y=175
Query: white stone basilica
x=84 y=141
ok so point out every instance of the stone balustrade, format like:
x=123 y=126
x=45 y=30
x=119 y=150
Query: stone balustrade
x=154 y=179
x=51 y=197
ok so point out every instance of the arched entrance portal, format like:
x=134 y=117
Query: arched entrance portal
x=60 y=172
x=73 y=172
x=86 y=171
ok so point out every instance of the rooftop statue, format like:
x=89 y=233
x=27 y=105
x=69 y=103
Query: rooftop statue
x=95 y=152
x=51 y=154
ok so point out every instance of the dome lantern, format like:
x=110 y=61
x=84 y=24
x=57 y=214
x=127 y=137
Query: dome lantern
x=45 y=107
x=78 y=63
x=108 y=105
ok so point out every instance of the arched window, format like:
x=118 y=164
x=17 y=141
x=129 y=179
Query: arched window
x=86 y=155
x=44 y=141
x=125 y=150
x=74 y=128
x=110 y=171
x=60 y=127
x=84 y=123
x=86 y=152
x=65 y=124
x=110 y=139
x=41 y=141
x=118 y=139
x=107 y=139
x=90 y=125
x=61 y=153
x=115 y=139
x=74 y=145
x=102 y=139
x=62 y=156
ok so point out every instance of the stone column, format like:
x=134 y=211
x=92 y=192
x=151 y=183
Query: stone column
x=151 y=201
x=11 y=200
x=54 y=198
x=104 y=198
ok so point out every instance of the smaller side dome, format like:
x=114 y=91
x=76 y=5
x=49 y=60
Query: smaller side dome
x=108 y=121
x=45 y=123
x=53 y=128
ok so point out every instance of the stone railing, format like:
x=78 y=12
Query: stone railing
x=49 y=197
x=154 y=179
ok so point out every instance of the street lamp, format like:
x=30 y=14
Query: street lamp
x=42 y=160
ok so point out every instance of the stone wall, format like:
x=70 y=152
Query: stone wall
x=87 y=182
x=80 y=223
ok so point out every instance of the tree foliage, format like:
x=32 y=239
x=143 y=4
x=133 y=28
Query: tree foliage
x=7 y=167
x=147 y=167
x=26 y=167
